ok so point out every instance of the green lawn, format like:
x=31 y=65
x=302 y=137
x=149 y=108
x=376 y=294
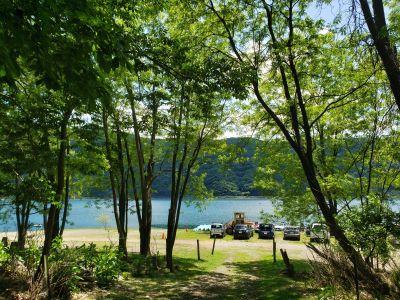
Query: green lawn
x=240 y=271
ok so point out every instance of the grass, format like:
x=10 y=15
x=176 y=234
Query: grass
x=240 y=271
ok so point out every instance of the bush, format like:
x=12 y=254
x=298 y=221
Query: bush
x=74 y=268
x=64 y=270
x=107 y=266
x=4 y=255
x=71 y=269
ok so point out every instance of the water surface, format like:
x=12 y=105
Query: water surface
x=86 y=213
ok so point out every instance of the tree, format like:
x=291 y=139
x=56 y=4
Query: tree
x=276 y=37
x=118 y=177
x=149 y=96
x=385 y=46
x=196 y=115
x=26 y=120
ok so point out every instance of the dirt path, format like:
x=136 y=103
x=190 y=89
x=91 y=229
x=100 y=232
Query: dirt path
x=99 y=235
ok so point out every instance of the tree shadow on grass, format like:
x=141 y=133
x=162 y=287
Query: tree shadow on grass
x=188 y=279
x=261 y=279
x=269 y=281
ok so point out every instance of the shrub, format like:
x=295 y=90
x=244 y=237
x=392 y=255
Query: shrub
x=64 y=270
x=70 y=268
x=107 y=266
x=4 y=255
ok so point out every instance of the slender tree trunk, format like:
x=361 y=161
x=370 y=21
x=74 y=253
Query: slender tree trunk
x=145 y=174
x=180 y=178
x=66 y=198
x=119 y=200
x=22 y=218
x=376 y=23
x=45 y=213
x=133 y=182
x=145 y=230
x=22 y=224
x=366 y=272
x=52 y=226
x=122 y=203
x=175 y=182
x=66 y=204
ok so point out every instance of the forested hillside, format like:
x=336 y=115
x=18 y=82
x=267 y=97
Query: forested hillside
x=226 y=174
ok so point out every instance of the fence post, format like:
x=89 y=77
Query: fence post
x=274 y=249
x=286 y=260
x=198 y=250
x=212 y=252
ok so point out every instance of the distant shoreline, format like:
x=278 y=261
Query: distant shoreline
x=166 y=198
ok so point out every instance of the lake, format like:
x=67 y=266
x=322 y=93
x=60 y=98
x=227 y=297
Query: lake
x=86 y=213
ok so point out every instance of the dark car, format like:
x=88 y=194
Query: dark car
x=266 y=231
x=242 y=231
x=291 y=233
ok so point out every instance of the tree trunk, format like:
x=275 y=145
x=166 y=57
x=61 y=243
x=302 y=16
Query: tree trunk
x=52 y=226
x=45 y=213
x=145 y=236
x=22 y=229
x=21 y=238
x=169 y=254
x=145 y=232
x=66 y=204
x=365 y=271
x=122 y=203
x=376 y=23
x=119 y=201
x=145 y=175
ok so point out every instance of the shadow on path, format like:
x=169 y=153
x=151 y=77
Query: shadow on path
x=260 y=279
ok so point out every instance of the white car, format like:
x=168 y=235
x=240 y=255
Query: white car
x=217 y=230
x=319 y=233
x=279 y=227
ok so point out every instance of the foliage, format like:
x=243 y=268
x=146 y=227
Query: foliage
x=4 y=255
x=70 y=268
x=371 y=227
x=107 y=266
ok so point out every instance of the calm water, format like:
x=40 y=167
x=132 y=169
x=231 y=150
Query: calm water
x=88 y=213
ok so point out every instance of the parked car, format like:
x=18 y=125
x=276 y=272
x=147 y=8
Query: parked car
x=242 y=231
x=217 y=230
x=279 y=227
x=291 y=233
x=266 y=231
x=319 y=233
